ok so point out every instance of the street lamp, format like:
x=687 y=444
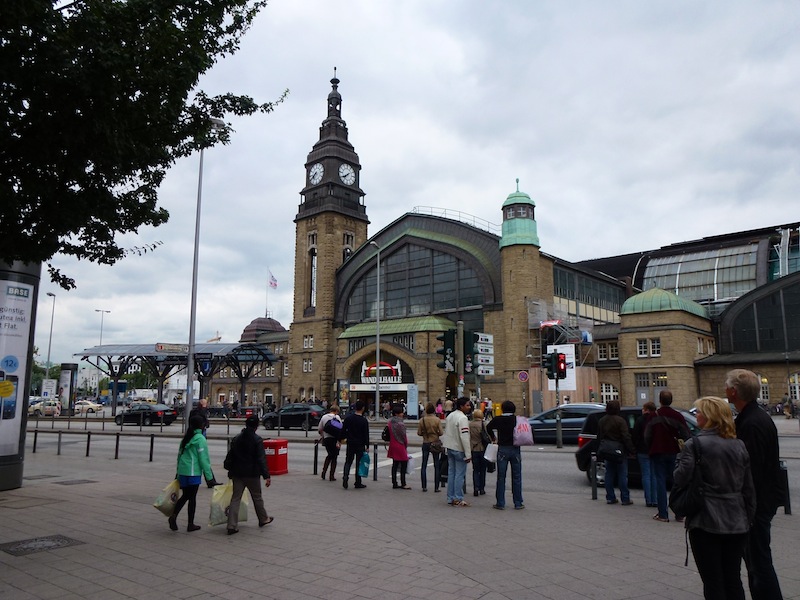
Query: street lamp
x=102 y=315
x=50 y=341
x=377 y=331
x=215 y=124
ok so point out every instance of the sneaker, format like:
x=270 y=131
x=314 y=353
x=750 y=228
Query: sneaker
x=627 y=502
x=614 y=501
x=498 y=507
x=519 y=507
x=344 y=484
x=359 y=486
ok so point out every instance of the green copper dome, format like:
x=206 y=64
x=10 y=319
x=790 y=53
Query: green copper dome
x=519 y=223
x=656 y=299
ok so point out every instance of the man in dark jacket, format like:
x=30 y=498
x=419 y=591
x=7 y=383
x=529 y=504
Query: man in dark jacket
x=662 y=435
x=246 y=463
x=756 y=429
x=355 y=429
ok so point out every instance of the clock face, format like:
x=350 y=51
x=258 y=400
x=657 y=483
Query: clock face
x=347 y=174
x=315 y=173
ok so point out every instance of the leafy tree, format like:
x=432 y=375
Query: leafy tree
x=138 y=381
x=98 y=100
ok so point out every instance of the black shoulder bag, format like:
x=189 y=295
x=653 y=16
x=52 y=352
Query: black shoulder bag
x=689 y=499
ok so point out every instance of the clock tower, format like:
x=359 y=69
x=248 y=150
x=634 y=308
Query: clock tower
x=331 y=222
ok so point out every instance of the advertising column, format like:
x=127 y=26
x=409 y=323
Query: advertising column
x=68 y=388
x=18 y=289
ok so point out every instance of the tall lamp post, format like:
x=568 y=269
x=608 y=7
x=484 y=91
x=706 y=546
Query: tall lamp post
x=215 y=124
x=102 y=315
x=377 y=331
x=50 y=341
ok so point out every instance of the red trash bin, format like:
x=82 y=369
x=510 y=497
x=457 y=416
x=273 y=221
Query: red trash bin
x=277 y=451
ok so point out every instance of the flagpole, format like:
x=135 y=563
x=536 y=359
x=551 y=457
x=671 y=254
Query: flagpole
x=266 y=313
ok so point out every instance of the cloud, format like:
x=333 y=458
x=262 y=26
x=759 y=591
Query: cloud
x=631 y=125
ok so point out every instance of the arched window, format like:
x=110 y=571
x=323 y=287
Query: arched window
x=416 y=281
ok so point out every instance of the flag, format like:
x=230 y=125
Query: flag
x=273 y=283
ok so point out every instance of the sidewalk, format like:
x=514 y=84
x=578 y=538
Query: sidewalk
x=332 y=544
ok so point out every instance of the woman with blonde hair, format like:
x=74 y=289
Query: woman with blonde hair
x=718 y=532
x=477 y=431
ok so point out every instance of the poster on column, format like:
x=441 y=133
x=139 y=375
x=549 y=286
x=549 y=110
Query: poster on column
x=568 y=384
x=16 y=302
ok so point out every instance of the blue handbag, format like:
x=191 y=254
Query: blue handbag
x=363 y=465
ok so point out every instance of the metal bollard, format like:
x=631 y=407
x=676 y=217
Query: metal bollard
x=35 y=436
x=375 y=463
x=593 y=475
x=787 y=502
x=316 y=456
x=59 y=444
x=559 y=434
x=88 y=441
x=152 y=444
x=116 y=448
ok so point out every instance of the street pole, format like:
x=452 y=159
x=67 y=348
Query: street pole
x=102 y=315
x=50 y=341
x=215 y=124
x=377 y=331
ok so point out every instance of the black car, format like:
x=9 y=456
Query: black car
x=572 y=418
x=587 y=442
x=145 y=413
x=302 y=415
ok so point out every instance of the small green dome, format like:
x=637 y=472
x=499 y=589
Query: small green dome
x=656 y=299
x=518 y=197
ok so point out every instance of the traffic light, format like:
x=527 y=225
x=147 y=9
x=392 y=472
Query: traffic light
x=561 y=366
x=470 y=356
x=550 y=362
x=448 y=350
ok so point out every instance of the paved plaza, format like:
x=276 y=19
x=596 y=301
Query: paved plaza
x=99 y=538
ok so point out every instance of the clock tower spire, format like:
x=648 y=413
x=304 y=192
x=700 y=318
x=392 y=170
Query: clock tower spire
x=331 y=222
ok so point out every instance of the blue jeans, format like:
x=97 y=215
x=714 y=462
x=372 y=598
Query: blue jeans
x=456 y=475
x=478 y=471
x=648 y=480
x=617 y=472
x=662 y=465
x=509 y=455
x=761 y=575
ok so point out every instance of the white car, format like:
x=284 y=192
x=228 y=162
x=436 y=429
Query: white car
x=45 y=408
x=87 y=406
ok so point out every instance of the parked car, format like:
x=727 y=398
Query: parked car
x=304 y=416
x=45 y=408
x=587 y=442
x=572 y=418
x=146 y=413
x=87 y=406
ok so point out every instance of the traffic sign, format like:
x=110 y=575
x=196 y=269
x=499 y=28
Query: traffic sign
x=522 y=376
x=173 y=348
x=484 y=338
x=485 y=359
x=485 y=370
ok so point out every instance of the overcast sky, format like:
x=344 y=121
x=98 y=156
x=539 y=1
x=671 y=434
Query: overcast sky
x=632 y=125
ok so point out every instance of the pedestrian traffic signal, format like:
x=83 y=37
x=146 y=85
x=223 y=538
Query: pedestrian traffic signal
x=561 y=366
x=470 y=354
x=550 y=362
x=448 y=350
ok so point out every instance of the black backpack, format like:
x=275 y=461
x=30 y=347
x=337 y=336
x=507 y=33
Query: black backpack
x=385 y=434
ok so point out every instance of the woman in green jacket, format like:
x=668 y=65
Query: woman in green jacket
x=193 y=464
